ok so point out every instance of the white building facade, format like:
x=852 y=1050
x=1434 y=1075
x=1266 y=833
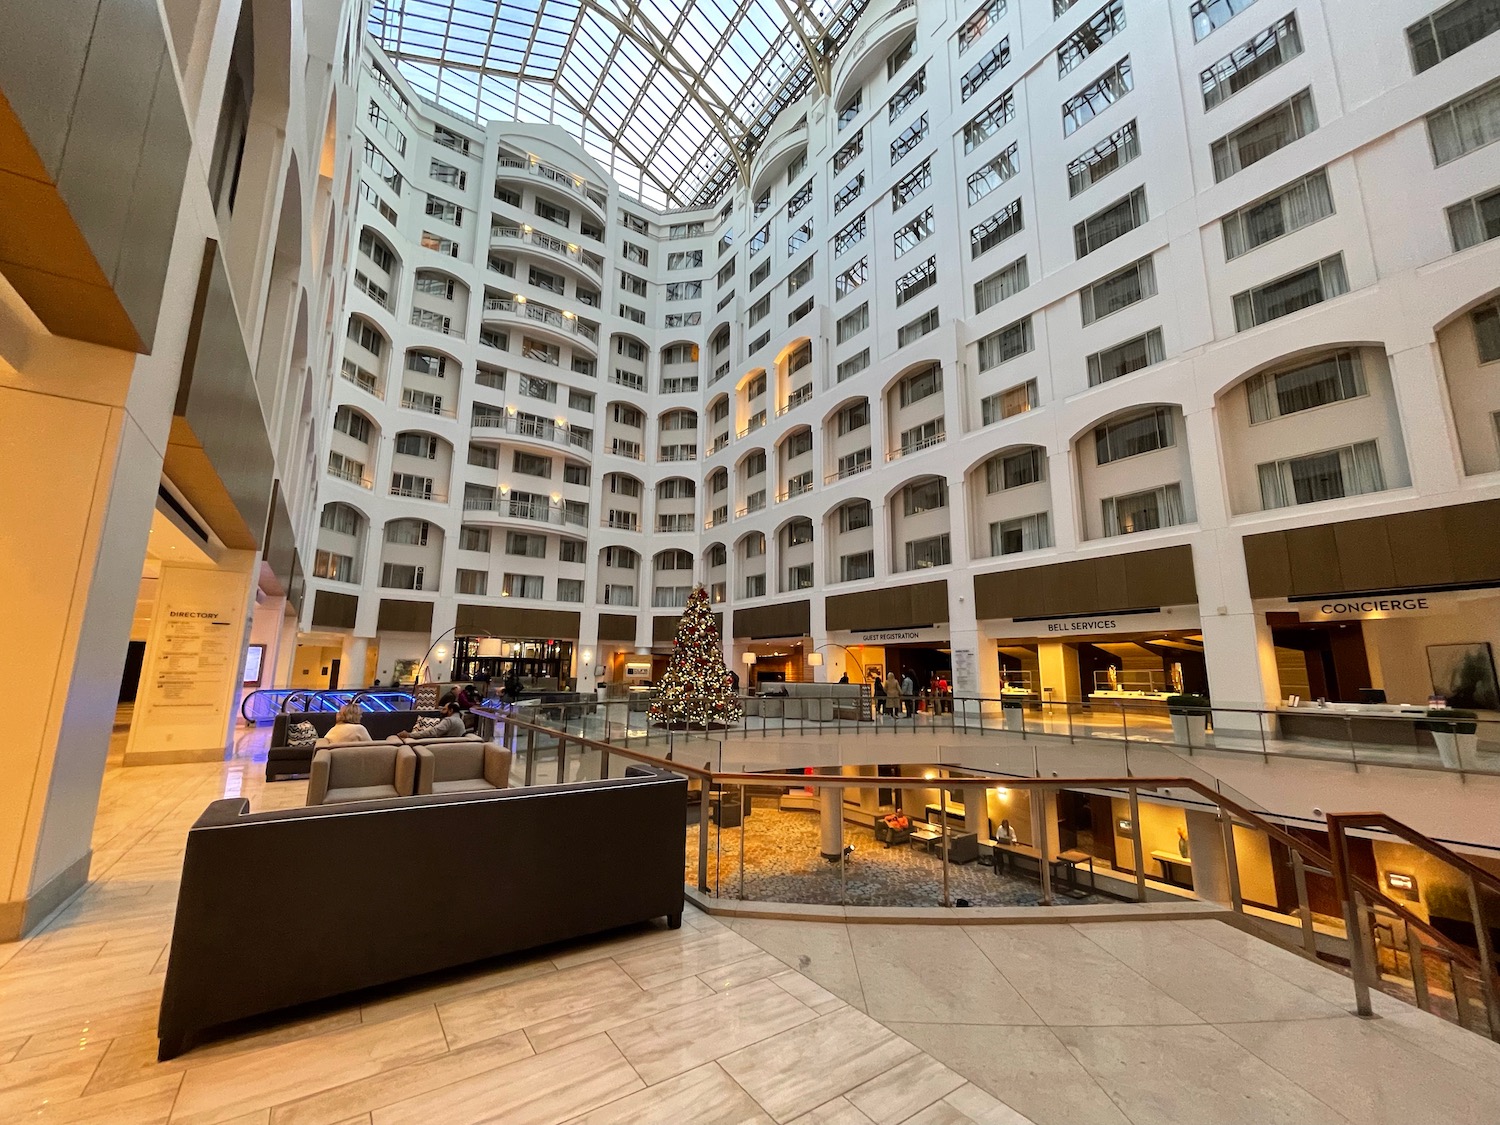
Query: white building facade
x=1071 y=346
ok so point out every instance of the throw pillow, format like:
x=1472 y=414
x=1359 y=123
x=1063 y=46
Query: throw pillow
x=301 y=734
x=425 y=726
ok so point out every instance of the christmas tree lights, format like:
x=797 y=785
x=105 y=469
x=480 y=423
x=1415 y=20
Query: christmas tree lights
x=696 y=690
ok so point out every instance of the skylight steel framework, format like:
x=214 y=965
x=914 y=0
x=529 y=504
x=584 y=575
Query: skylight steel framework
x=672 y=97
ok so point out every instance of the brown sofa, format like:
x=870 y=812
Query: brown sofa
x=279 y=909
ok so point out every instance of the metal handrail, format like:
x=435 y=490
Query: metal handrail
x=1306 y=855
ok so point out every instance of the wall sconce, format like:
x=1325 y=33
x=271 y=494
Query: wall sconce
x=504 y=488
x=573 y=247
x=1124 y=825
x=815 y=659
x=526 y=227
x=556 y=497
x=511 y=410
x=441 y=654
x=587 y=655
x=560 y=420
x=569 y=315
x=930 y=775
x=1003 y=793
x=1403 y=884
x=520 y=298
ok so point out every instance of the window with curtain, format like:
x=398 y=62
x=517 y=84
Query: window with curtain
x=1257 y=58
x=1475 y=220
x=1136 y=282
x=1029 y=533
x=1004 y=282
x=1349 y=471
x=1114 y=152
x=996 y=229
x=1098 y=96
x=1011 y=341
x=1331 y=378
x=1008 y=403
x=1449 y=30
x=1122 y=359
x=1292 y=120
x=1486 y=322
x=924 y=553
x=1319 y=282
x=1015 y=470
x=1144 y=511
x=1291 y=208
x=924 y=496
x=1105 y=226
x=988 y=121
x=1132 y=436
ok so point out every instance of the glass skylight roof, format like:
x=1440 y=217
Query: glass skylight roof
x=669 y=97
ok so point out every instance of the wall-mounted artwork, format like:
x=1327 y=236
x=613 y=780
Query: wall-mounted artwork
x=1464 y=675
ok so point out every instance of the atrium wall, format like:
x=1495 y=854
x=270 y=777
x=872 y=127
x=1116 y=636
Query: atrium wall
x=1004 y=349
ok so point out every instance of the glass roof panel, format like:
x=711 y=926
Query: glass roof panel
x=672 y=97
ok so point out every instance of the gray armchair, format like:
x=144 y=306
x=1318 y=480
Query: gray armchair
x=456 y=767
x=361 y=772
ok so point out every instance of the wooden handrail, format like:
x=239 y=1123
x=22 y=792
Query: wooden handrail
x=1438 y=850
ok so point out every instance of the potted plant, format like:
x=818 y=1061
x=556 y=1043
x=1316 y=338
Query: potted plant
x=1454 y=731
x=1189 y=719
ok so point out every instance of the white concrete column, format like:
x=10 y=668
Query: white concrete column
x=1420 y=388
x=830 y=818
x=352 y=662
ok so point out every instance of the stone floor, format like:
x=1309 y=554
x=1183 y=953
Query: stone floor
x=782 y=863
x=740 y=1022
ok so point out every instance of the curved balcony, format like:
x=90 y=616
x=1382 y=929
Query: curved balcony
x=853 y=58
x=564 y=325
x=582 y=261
x=571 y=186
x=509 y=428
x=521 y=512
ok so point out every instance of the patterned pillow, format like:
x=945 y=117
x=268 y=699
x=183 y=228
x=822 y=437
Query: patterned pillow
x=425 y=726
x=301 y=734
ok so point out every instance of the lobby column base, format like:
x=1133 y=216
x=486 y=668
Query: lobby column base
x=18 y=919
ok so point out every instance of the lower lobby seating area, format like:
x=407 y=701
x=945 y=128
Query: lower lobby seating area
x=742 y=1021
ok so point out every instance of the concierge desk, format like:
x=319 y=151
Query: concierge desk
x=1377 y=724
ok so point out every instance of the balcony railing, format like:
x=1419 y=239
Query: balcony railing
x=795 y=399
x=678 y=453
x=574 y=185
x=537 y=431
x=353 y=476
x=846 y=471
x=908 y=448
x=794 y=489
x=504 y=508
x=562 y=321
x=503 y=232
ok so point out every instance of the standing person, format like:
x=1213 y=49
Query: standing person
x=734 y=681
x=878 y=686
x=893 y=694
x=844 y=679
x=942 y=693
x=909 y=694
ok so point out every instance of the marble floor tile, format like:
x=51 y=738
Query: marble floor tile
x=1191 y=1076
x=814 y=995
x=452 y=986
x=980 y=1108
x=755 y=967
x=27 y=1084
x=1477 y=1056
x=1220 y=987
x=581 y=1024
x=801 y=1069
x=333 y=1107
x=1366 y=1074
x=543 y=1089
x=131 y=1058
x=1028 y=1068
x=510 y=1007
x=632 y=939
x=1096 y=988
x=696 y=953
x=668 y=1044
x=141 y=1103
x=904 y=1089
x=836 y=1112
x=821 y=951
x=222 y=1088
x=1321 y=980
x=923 y=973
x=704 y=1095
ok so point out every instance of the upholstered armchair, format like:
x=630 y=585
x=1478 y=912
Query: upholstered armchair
x=361 y=772
x=457 y=767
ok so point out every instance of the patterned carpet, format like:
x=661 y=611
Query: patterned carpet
x=782 y=864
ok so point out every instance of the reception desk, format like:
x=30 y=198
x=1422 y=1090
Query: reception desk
x=1379 y=724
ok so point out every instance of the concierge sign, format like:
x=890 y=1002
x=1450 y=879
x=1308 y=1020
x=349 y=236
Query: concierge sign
x=1375 y=607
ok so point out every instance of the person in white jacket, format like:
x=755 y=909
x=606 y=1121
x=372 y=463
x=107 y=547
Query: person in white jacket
x=349 y=726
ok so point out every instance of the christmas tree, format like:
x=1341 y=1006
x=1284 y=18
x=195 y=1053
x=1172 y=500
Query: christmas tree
x=696 y=691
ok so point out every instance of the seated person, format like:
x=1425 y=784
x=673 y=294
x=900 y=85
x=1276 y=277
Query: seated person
x=348 y=726
x=450 y=726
